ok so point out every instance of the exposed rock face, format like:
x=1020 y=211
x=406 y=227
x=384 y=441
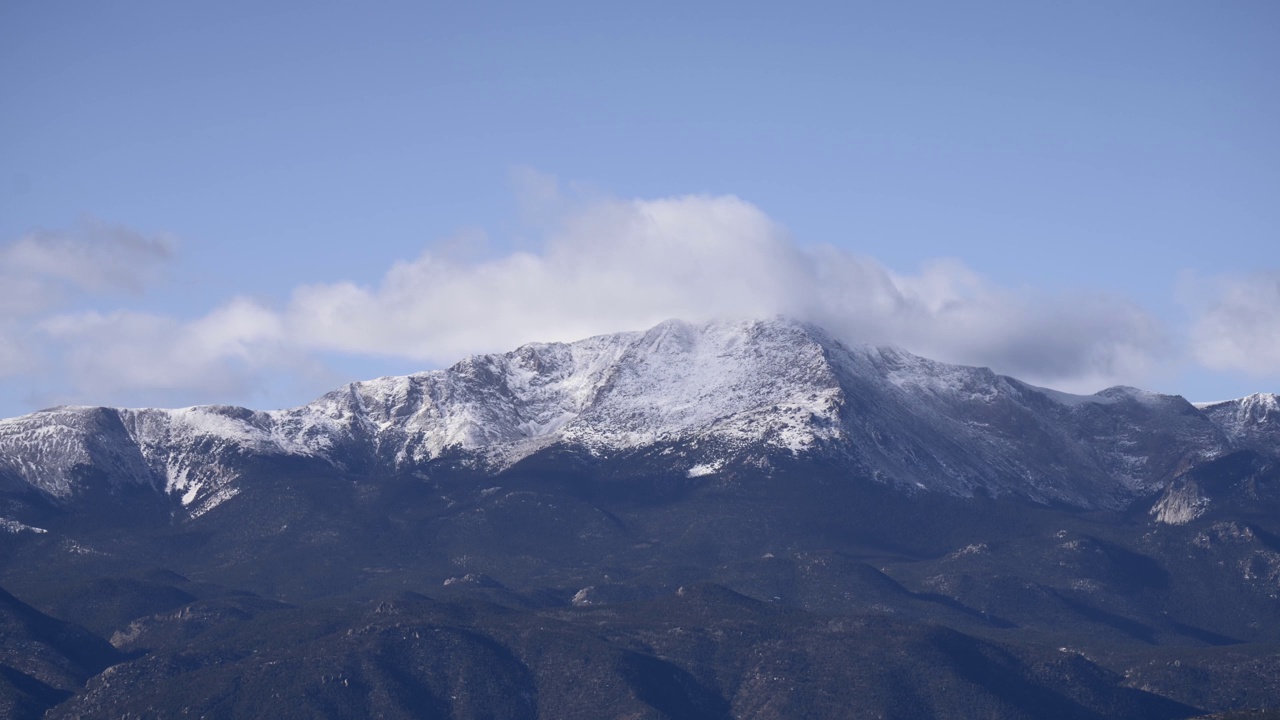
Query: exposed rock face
x=1242 y=481
x=1181 y=503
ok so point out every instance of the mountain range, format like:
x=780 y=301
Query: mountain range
x=1021 y=551
x=714 y=397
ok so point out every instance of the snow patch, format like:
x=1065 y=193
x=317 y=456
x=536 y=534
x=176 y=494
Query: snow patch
x=15 y=527
x=214 y=499
x=704 y=469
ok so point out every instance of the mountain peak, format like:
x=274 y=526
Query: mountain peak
x=1252 y=421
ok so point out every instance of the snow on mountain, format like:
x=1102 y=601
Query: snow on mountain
x=51 y=450
x=1252 y=421
x=970 y=430
x=740 y=384
x=723 y=393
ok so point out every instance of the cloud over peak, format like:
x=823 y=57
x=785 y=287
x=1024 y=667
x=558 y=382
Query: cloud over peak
x=603 y=265
x=628 y=264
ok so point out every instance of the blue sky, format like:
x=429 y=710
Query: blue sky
x=252 y=202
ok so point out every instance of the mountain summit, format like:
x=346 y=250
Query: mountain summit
x=698 y=400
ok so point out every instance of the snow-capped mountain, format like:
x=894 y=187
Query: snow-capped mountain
x=710 y=398
x=1252 y=421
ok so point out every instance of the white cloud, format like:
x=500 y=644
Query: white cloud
x=629 y=264
x=601 y=265
x=93 y=256
x=1236 y=322
x=1077 y=341
x=136 y=358
x=613 y=265
x=46 y=270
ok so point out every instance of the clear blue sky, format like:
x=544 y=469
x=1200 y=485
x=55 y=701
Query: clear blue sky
x=1129 y=151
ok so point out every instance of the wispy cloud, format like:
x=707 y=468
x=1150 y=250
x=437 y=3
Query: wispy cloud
x=1236 y=322
x=45 y=266
x=45 y=271
x=140 y=358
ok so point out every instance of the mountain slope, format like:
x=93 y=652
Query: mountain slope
x=43 y=660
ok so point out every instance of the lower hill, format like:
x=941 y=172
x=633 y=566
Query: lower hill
x=579 y=587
